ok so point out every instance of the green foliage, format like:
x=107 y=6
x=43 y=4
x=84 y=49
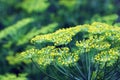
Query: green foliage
x=12 y=30
x=34 y=5
x=109 y=19
x=71 y=4
x=13 y=77
x=117 y=24
x=46 y=29
x=69 y=54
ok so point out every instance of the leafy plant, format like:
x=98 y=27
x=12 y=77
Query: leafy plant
x=84 y=52
x=21 y=20
x=25 y=39
x=34 y=5
x=13 y=29
x=109 y=19
x=13 y=77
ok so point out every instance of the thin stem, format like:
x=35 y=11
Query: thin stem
x=78 y=68
x=104 y=69
x=41 y=70
x=97 y=72
x=89 y=65
x=63 y=72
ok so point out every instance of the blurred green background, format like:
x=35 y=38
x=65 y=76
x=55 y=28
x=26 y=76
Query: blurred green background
x=20 y=20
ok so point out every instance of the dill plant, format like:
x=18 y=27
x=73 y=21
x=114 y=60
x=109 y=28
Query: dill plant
x=84 y=52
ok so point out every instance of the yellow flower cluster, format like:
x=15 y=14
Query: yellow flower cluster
x=60 y=37
x=49 y=55
x=29 y=53
x=60 y=56
x=98 y=28
x=113 y=36
x=68 y=59
x=103 y=42
x=109 y=56
x=93 y=43
x=23 y=56
x=102 y=38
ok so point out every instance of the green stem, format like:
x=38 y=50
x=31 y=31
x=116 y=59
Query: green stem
x=41 y=70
